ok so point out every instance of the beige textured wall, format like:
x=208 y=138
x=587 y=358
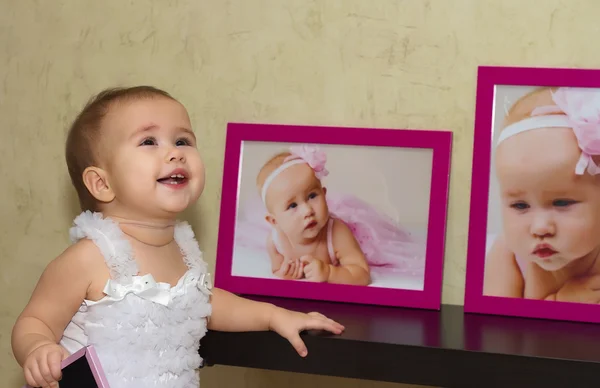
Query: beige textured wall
x=386 y=63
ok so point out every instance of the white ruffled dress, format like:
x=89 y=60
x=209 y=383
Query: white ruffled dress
x=146 y=334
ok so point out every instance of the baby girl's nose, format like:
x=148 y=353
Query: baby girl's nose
x=175 y=155
x=542 y=226
x=308 y=209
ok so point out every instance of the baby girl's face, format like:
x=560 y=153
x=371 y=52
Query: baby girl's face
x=551 y=216
x=144 y=143
x=296 y=203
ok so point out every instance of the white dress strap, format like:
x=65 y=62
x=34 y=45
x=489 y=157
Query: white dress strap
x=186 y=240
x=108 y=237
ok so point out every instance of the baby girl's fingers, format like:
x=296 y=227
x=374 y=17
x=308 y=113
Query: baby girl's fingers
x=36 y=375
x=320 y=324
x=315 y=314
x=298 y=344
x=30 y=379
x=324 y=318
x=44 y=368
x=54 y=360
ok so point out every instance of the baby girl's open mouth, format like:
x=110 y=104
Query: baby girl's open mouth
x=311 y=225
x=176 y=179
x=544 y=250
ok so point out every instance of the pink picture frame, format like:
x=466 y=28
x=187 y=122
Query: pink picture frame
x=72 y=378
x=428 y=153
x=497 y=89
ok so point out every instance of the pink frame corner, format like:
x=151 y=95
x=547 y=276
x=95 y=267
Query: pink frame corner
x=96 y=367
x=475 y=302
x=92 y=358
x=441 y=144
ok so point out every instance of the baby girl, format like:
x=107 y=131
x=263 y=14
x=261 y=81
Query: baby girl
x=320 y=237
x=546 y=168
x=134 y=283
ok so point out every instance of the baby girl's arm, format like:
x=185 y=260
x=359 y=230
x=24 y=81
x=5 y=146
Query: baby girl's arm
x=56 y=298
x=353 y=267
x=502 y=275
x=282 y=268
x=233 y=313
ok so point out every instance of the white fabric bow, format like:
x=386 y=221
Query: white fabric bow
x=143 y=286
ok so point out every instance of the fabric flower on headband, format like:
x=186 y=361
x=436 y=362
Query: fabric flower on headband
x=582 y=106
x=312 y=155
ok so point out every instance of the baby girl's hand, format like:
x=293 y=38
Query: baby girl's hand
x=42 y=366
x=289 y=323
x=581 y=290
x=314 y=269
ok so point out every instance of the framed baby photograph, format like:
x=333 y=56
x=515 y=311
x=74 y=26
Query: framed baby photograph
x=341 y=214
x=534 y=233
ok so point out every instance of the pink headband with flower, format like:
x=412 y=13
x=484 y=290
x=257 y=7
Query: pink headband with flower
x=576 y=108
x=310 y=155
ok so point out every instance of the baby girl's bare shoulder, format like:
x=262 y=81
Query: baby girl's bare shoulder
x=341 y=230
x=83 y=254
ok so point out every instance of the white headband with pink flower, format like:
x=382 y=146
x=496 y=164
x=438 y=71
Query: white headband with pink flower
x=310 y=155
x=576 y=108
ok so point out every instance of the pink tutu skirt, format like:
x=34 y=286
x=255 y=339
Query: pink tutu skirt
x=384 y=243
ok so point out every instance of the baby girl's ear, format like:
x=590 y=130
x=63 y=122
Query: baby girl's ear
x=271 y=220
x=96 y=181
x=324 y=190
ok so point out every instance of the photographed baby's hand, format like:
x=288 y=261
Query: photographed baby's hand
x=289 y=324
x=581 y=290
x=314 y=269
x=283 y=268
x=295 y=271
x=42 y=366
x=290 y=269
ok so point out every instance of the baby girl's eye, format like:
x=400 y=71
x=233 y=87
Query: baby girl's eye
x=292 y=205
x=520 y=206
x=183 y=142
x=148 y=141
x=563 y=202
x=312 y=195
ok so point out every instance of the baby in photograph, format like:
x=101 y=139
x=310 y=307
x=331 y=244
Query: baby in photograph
x=550 y=196
x=313 y=236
